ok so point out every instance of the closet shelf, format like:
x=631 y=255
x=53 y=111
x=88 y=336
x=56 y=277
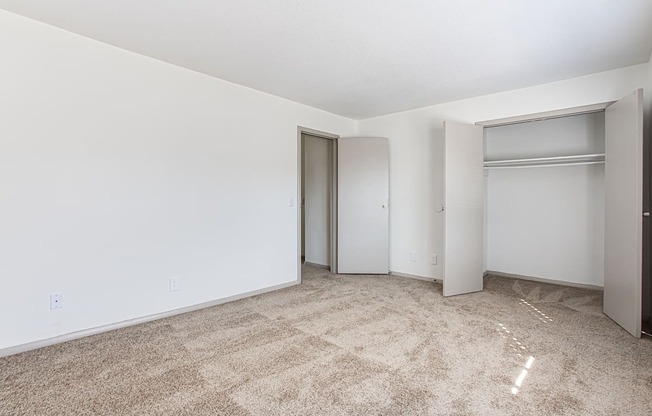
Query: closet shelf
x=590 y=159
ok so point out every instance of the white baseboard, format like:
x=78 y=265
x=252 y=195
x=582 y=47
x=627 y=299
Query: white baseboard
x=414 y=276
x=544 y=280
x=508 y=275
x=4 y=352
x=321 y=266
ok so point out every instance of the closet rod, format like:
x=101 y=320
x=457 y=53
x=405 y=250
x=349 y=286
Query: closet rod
x=578 y=158
x=546 y=165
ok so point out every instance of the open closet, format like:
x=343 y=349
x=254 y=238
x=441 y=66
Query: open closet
x=556 y=196
x=544 y=199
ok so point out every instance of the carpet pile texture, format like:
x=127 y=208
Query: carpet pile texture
x=351 y=345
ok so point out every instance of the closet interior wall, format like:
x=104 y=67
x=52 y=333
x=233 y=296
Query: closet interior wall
x=546 y=221
x=316 y=200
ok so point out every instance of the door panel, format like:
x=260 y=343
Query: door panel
x=363 y=205
x=463 y=208
x=623 y=211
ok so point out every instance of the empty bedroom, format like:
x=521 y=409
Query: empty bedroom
x=303 y=207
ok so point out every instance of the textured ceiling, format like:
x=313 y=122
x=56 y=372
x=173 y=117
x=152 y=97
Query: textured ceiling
x=368 y=57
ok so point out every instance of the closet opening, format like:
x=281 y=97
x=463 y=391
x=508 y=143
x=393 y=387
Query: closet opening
x=567 y=202
x=544 y=199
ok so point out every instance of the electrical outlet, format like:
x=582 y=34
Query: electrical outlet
x=413 y=256
x=174 y=284
x=56 y=300
x=433 y=259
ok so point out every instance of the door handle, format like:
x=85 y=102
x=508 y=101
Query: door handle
x=646 y=214
x=385 y=205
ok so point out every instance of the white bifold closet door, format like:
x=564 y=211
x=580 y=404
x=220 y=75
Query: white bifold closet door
x=624 y=212
x=463 y=208
x=363 y=205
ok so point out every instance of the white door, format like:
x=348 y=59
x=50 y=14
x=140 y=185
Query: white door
x=463 y=208
x=623 y=211
x=363 y=205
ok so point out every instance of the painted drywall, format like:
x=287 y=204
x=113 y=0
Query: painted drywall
x=119 y=171
x=546 y=222
x=415 y=141
x=317 y=171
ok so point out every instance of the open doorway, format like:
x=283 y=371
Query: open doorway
x=317 y=199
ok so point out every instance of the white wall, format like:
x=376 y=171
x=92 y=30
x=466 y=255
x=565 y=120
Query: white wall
x=546 y=222
x=564 y=136
x=317 y=168
x=118 y=171
x=415 y=157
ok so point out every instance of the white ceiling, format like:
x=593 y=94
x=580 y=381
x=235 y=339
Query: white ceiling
x=361 y=58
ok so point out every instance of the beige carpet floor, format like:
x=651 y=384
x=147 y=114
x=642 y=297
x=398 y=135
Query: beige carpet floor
x=351 y=345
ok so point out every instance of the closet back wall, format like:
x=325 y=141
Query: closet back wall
x=546 y=222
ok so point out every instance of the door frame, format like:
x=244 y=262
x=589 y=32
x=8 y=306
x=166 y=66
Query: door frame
x=333 y=194
x=646 y=286
x=563 y=112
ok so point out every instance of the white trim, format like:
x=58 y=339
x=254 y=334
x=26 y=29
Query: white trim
x=4 y=352
x=526 y=118
x=414 y=276
x=317 y=133
x=544 y=280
